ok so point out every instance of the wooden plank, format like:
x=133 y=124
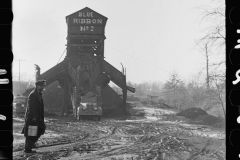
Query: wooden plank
x=88 y=45
x=131 y=89
x=80 y=36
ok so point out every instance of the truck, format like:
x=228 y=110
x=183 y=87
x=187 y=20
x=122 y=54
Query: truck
x=90 y=106
x=20 y=104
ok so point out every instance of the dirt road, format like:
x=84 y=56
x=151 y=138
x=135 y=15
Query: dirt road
x=160 y=134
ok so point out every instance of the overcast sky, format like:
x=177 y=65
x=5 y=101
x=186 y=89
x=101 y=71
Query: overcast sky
x=151 y=38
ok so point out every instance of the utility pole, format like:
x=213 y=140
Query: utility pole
x=207 y=61
x=19 y=76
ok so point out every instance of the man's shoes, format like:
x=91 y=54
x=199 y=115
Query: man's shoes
x=30 y=151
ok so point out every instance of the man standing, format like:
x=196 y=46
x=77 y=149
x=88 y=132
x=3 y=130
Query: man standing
x=34 y=115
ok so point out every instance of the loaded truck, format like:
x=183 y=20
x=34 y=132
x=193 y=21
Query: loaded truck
x=20 y=104
x=90 y=106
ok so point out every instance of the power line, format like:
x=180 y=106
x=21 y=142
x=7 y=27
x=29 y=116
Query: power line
x=62 y=55
x=139 y=59
x=47 y=47
x=44 y=43
x=19 y=60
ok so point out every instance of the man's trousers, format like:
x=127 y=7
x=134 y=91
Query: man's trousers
x=30 y=141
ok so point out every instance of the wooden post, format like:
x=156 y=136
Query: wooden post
x=65 y=90
x=101 y=59
x=65 y=95
x=124 y=91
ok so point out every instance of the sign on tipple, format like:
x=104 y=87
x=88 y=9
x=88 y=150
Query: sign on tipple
x=86 y=29
x=86 y=21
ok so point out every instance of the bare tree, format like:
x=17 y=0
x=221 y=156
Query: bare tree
x=218 y=81
x=204 y=46
x=215 y=33
x=212 y=43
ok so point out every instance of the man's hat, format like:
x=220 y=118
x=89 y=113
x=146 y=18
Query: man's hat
x=41 y=82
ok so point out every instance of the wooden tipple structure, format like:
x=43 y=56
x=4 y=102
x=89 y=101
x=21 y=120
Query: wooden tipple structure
x=84 y=68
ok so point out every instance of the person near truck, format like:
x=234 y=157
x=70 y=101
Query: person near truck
x=34 y=115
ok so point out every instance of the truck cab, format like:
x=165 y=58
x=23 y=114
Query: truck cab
x=20 y=104
x=90 y=106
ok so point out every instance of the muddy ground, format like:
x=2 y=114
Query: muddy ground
x=159 y=134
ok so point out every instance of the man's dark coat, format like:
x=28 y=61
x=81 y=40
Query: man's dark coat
x=35 y=109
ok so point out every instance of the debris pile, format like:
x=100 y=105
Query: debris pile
x=192 y=113
x=210 y=120
x=200 y=116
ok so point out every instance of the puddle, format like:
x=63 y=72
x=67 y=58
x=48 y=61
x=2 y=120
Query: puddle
x=124 y=134
x=155 y=115
x=204 y=131
x=199 y=130
x=158 y=111
x=210 y=134
x=151 y=118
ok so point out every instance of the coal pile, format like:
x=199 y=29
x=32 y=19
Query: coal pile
x=200 y=116
x=210 y=120
x=192 y=113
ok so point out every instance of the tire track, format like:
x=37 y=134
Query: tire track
x=57 y=146
x=118 y=138
x=87 y=139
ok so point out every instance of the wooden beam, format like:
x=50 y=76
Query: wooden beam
x=84 y=45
